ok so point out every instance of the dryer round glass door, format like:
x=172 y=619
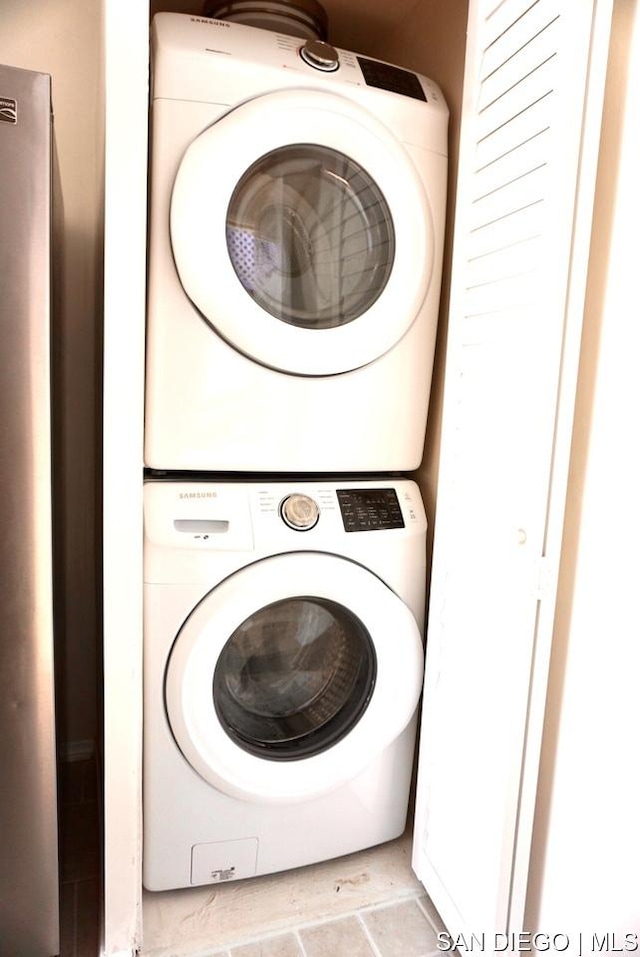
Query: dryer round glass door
x=302 y=233
x=310 y=236
x=291 y=676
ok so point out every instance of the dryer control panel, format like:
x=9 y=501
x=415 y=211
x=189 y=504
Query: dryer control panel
x=204 y=60
x=394 y=79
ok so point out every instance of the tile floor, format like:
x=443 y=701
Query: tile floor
x=367 y=904
x=80 y=867
x=405 y=929
x=385 y=915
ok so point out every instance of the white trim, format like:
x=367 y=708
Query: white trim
x=126 y=30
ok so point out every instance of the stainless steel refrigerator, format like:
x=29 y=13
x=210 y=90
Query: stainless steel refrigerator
x=28 y=805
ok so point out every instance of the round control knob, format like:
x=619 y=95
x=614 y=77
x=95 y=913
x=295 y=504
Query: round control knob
x=320 y=55
x=299 y=512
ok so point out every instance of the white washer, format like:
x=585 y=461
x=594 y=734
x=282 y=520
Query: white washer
x=283 y=665
x=296 y=229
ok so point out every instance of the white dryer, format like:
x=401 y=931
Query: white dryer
x=296 y=228
x=283 y=662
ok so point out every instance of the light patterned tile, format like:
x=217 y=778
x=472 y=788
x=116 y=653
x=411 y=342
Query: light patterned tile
x=401 y=930
x=284 y=945
x=339 y=938
x=427 y=905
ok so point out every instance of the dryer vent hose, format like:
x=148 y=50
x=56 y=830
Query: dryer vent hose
x=298 y=18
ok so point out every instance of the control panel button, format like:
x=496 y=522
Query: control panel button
x=320 y=55
x=299 y=512
x=365 y=510
x=391 y=78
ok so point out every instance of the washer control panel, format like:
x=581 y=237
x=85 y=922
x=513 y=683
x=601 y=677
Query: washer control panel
x=193 y=518
x=367 y=509
x=299 y=512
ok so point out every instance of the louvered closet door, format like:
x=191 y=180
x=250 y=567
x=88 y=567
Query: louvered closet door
x=534 y=79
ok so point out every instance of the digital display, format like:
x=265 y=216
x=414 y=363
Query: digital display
x=391 y=78
x=366 y=510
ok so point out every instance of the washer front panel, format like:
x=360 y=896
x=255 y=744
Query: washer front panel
x=207 y=179
x=195 y=721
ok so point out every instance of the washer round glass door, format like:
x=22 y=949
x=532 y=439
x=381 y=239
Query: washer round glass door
x=301 y=231
x=294 y=678
x=291 y=675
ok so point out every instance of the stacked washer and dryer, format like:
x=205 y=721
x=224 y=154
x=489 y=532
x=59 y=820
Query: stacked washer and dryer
x=296 y=228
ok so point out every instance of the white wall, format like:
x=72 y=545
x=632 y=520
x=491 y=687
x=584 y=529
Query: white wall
x=63 y=38
x=586 y=865
x=126 y=71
